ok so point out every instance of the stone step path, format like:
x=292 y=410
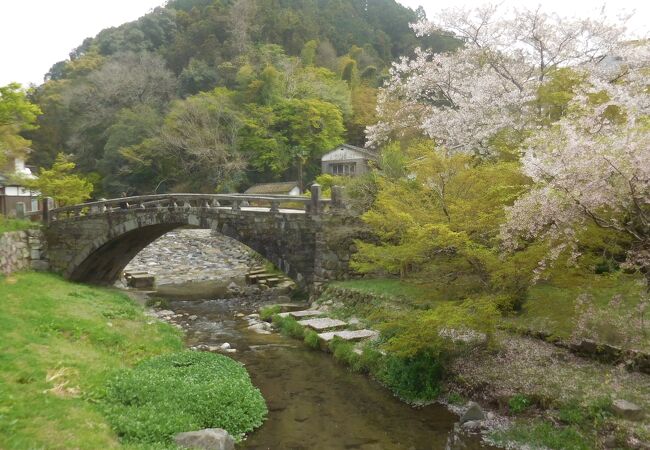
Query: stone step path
x=349 y=335
x=259 y=275
x=323 y=324
x=329 y=328
x=299 y=314
x=139 y=279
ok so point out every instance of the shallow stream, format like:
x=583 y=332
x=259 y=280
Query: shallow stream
x=314 y=402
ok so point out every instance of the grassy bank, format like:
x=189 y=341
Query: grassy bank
x=556 y=399
x=67 y=353
x=59 y=344
x=15 y=224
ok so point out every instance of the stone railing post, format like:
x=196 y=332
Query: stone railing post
x=20 y=210
x=48 y=204
x=315 y=198
x=337 y=197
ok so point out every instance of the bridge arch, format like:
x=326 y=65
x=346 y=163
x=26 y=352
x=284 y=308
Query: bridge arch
x=94 y=242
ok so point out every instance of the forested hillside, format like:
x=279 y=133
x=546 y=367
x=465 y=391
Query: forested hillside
x=205 y=95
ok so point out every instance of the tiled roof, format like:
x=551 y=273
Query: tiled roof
x=272 y=188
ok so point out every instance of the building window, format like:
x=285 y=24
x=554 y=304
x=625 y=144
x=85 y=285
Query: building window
x=34 y=205
x=343 y=169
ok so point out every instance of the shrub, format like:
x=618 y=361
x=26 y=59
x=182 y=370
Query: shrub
x=311 y=339
x=343 y=351
x=414 y=379
x=289 y=326
x=369 y=361
x=268 y=312
x=180 y=392
x=518 y=403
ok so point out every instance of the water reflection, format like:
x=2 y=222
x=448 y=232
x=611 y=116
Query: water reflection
x=314 y=402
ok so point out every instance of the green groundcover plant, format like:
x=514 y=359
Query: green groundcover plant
x=180 y=392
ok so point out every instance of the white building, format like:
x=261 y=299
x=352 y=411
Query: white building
x=348 y=160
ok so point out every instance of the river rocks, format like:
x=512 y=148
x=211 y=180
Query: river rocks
x=473 y=412
x=627 y=410
x=260 y=328
x=195 y=255
x=473 y=426
x=207 y=439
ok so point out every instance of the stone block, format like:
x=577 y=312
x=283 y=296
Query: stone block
x=40 y=265
x=627 y=410
x=298 y=314
x=349 y=335
x=322 y=324
x=141 y=281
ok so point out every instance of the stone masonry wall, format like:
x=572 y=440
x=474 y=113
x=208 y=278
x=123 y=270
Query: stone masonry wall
x=20 y=250
x=335 y=246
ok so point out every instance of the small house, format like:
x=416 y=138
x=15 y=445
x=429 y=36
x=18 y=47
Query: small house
x=348 y=160
x=12 y=192
x=282 y=188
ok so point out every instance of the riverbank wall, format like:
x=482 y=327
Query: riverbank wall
x=22 y=250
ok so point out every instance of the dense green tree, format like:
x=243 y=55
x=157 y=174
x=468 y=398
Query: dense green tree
x=17 y=114
x=200 y=136
x=438 y=216
x=132 y=126
x=292 y=135
x=196 y=77
x=281 y=57
x=60 y=183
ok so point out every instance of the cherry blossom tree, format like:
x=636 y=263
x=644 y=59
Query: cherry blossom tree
x=594 y=163
x=463 y=98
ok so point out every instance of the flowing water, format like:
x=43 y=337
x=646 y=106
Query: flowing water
x=314 y=402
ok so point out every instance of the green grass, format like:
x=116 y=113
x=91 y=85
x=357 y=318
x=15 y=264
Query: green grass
x=518 y=403
x=289 y=326
x=311 y=339
x=59 y=344
x=7 y=225
x=551 y=307
x=413 y=293
x=543 y=434
x=268 y=312
x=183 y=391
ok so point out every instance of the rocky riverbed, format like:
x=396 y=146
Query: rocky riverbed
x=194 y=262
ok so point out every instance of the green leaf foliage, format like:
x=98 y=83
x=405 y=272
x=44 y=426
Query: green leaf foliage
x=180 y=392
x=60 y=183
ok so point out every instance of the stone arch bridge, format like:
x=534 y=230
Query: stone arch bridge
x=308 y=238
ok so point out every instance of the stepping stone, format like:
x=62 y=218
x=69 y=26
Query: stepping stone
x=292 y=307
x=304 y=313
x=141 y=281
x=322 y=323
x=348 y=335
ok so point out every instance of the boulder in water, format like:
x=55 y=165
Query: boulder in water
x=207 y=439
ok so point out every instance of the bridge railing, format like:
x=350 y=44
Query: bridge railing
x=235 y=202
